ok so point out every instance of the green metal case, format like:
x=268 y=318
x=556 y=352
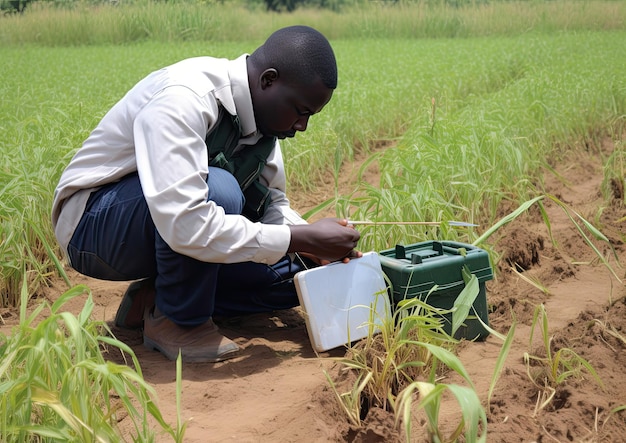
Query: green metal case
x=415 y=269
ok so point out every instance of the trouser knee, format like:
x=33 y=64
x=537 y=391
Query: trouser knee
x=224 y=190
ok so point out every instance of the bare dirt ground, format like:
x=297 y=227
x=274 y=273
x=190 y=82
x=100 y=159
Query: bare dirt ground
x=277 y=391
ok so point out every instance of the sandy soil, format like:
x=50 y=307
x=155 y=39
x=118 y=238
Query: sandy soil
x=277 y=391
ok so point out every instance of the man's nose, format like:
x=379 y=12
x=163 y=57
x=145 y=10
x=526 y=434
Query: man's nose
x=301 y=123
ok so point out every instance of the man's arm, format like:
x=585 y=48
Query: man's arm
x=327 y=240
x=172 y=163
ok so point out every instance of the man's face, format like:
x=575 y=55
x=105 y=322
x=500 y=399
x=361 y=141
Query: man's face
x=281 y=109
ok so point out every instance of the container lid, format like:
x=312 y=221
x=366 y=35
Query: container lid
x=435 y=262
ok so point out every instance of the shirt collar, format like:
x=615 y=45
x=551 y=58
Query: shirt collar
x=238 y=73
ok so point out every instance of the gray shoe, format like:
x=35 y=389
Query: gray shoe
x=202 y=343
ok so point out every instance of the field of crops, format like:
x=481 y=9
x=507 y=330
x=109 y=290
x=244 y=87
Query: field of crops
x=462 y=111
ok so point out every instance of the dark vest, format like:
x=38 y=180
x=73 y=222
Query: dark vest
x=245 y=165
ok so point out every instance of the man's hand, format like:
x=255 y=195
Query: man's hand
x=329 y=239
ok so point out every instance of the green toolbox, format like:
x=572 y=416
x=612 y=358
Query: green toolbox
x=415 y=269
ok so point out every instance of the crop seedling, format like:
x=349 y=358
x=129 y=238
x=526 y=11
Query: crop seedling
x=410 y=344
x=557 y=366
x=473 y=421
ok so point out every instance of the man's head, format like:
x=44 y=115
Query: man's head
x=292 y=76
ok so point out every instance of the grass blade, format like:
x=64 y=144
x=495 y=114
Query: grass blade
x=507 y=219
x=504 y=352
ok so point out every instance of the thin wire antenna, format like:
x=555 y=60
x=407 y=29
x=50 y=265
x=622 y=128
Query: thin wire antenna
x=371 y=223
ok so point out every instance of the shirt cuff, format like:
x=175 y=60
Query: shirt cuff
x=274 y=241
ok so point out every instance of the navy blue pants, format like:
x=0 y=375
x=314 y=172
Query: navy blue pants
x=116 y=240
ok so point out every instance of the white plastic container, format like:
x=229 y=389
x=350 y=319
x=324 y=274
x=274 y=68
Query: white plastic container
x=338 y=300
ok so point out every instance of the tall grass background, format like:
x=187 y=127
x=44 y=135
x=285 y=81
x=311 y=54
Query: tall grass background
x=88 y=22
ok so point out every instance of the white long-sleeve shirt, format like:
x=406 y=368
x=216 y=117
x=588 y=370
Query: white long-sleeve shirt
x=158 y=129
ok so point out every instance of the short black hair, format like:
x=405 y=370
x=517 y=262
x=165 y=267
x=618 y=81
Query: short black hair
x=299 y=53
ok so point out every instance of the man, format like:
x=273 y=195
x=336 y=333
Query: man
x=157 y=192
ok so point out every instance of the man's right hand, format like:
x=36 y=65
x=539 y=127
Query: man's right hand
x=329 y=239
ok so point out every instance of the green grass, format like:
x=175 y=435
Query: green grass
x=502 y=106
x=471 y=105
x=411 y=345
x=554 y=365
x=56 y=384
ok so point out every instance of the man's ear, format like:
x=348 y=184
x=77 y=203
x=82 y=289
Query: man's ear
x=268 y=77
